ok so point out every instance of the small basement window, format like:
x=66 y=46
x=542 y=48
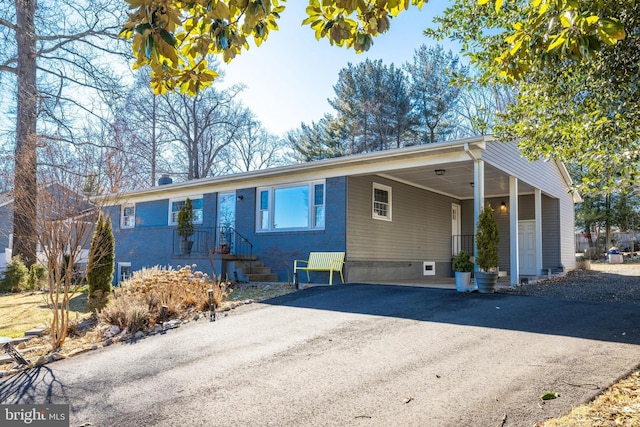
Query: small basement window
x=124 y=271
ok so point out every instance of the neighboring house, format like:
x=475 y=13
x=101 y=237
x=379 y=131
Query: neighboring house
x=6 y=229
x=60 y=204
x=398 y=214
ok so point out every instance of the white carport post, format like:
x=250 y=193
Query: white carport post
x=538 y=225
x=478 y=197
x=514 y=253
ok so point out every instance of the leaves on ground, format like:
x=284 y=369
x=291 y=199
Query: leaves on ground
x=549 y=395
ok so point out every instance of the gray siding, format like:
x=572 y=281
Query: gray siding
x=540 y=174
x=466 y=219
x=420 y=229
x=547 y=177
x=551 y=253
x=502 y=220
x=527 y=208
x=566 y=234
x=6 y=226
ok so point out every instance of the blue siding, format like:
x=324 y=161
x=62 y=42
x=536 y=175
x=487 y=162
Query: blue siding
x=151 y=214
x=151 y=241
x=278 y=250
x=209 y=209
x=143 y=246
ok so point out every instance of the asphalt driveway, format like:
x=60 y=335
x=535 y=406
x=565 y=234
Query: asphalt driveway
x=360 y=355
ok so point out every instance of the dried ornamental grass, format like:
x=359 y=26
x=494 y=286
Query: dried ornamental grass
x=618 y=406
x=152 y=288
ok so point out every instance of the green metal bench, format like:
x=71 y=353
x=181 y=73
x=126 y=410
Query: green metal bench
x=321 y=261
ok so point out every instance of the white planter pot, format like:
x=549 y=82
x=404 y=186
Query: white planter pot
x=463 y=280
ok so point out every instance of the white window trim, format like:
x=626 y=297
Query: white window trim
x=122 y=217
x=182 y=199
x=311 y=207
x=374 y=214
x=120 y=265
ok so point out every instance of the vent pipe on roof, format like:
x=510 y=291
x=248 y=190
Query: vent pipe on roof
x=165 y=179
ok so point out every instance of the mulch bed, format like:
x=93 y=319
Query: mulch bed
x=589 y=285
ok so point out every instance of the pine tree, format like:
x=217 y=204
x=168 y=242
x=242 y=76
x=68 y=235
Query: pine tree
x=434 y=96
x=100 y=264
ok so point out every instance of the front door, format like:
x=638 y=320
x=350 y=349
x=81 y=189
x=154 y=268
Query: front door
x=456 y=244
x=226 y=219
x=527 y=247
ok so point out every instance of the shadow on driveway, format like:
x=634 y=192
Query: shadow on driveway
x=541 y=315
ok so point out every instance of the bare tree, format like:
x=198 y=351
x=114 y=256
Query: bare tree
x=201 y=127
x=120 y=157
x=478 y=107
x=64 y=222
x=51 y=49
x=140 y=115
x=253 y=148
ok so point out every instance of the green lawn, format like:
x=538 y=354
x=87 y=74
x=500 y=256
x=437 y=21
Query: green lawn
x=23 y=311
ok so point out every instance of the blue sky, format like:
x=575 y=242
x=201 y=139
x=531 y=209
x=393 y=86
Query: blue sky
x=290 y=77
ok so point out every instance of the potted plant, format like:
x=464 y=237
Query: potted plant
x=487 y=239
x=185 y=226
x=463 y=267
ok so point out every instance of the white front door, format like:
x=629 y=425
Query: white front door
x=456 y=244
x=527 y=247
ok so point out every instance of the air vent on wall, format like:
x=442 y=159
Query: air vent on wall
x=429 y=268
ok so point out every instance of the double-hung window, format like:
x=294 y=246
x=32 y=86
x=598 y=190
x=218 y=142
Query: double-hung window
x=127 y=216
x=291 y=207
x=176 y=204
x=381 y=202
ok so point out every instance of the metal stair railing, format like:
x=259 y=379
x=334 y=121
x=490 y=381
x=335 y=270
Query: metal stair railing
x=238 y=245
x=462 y=242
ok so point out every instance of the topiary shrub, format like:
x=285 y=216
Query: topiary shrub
x=462 y=263
x=185 y=220
x=15 y=277
x=487 y=239
x=36 y=276
x=100 y=264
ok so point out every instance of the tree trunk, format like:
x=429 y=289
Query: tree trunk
x=154 y=142
x=25 y=185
